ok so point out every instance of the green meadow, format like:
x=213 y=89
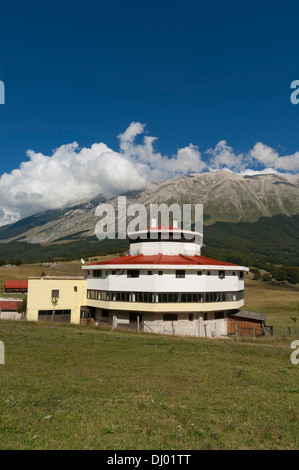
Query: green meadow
x=78 y=387
x=74 y=387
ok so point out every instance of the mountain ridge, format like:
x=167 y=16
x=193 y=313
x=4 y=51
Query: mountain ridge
x=226 y=197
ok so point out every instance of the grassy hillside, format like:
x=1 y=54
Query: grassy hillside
x=70 y=387
x=270 y=240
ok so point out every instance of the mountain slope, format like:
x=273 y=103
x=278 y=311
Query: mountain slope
x=269 y=240
x=226 y=197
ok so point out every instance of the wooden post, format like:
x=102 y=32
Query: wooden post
x=138 y=324
x=237 y=333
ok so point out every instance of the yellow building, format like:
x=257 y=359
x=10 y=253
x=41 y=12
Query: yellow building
x=59 y=299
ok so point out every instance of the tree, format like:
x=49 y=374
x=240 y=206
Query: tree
x=266 y=277
x=280 y=273
x=256 y=274
x=22 y=307
x=292 y=275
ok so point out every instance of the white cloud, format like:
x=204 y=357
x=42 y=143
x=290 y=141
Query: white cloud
x=270 y=158
x=72 y=174
x=224 y=157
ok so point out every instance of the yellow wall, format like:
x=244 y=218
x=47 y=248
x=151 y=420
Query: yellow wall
x=40 y=291
x=167 y=307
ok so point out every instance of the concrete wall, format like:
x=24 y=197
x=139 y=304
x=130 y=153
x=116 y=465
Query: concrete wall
x=10 y=315
x=154 y=323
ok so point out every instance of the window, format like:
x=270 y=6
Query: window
x=113 y=273
x=199 y=273
x=241 y=275
x=55 y=294
x=149 y=273
x=190 y=316
x=97 y=273
x=75 y=289
x=170 y=317
x=208 y=273
x=222 y=274
x=160 y=273
x=219 y=315
x=133 y=273
x=180 y=273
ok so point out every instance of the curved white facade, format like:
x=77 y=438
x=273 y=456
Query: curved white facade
x=166 y=285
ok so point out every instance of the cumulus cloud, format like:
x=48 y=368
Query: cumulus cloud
x=269 y=157
x=224 y=157
x=72 y=174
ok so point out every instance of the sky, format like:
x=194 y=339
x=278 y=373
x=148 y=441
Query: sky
x=102 y=97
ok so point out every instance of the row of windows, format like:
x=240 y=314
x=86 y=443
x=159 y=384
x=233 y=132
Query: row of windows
x=165 y=297
x=180 y=273
x=45 y=313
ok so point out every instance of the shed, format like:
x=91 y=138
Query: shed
x=16 y=286
x=246 y=323
x=9 y=310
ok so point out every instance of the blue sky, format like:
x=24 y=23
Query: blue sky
x=192 y=72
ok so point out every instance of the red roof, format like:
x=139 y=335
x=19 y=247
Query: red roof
x=163 y=260
x=16 y=284
x=9 y=305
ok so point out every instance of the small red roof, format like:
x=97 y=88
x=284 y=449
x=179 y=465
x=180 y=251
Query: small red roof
x=9 y=305
x=163 y=260
x=16 y=284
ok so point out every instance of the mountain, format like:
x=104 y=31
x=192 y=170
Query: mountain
x=226 y=197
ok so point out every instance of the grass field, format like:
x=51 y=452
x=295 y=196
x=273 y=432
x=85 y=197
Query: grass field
x=72 y=387
x=75 y=387
x=280 y=304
